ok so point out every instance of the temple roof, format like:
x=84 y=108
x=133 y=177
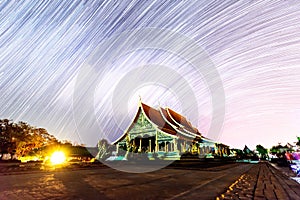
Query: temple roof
x=179 y=127
x=182 y=121
x=168 y=121
x=156 y=117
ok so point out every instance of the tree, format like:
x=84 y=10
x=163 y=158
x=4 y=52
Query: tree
x=298 y=142
x=23 y=139
x=6 y=143
x=280 y=150
x=262 y=151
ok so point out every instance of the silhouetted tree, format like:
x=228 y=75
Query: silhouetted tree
x=22 y=139
x=262 y=151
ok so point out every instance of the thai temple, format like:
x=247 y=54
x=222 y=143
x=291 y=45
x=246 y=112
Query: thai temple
x=165 y=134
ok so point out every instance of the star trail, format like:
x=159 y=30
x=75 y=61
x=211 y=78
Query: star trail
x=51 y=61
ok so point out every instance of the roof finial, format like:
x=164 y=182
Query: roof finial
x=140 y=101
x=158 y=103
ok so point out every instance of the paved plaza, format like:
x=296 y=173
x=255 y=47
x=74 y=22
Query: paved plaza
x=230 y=181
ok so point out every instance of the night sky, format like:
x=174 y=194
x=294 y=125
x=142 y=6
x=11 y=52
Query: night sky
x=78 y=68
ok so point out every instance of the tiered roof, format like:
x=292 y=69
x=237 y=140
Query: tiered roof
x=168 y=121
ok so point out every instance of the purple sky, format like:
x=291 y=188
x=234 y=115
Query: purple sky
x=63 y=62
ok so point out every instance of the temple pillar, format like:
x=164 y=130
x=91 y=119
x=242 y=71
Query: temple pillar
x=156 y=143
x=166 y=148
x=140 y=148
x=117 y=148
x=175 y=144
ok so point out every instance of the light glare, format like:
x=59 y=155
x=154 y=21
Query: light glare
x=58 y=157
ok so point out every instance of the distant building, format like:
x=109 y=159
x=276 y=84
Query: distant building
x=165 y=134
x=80 y=153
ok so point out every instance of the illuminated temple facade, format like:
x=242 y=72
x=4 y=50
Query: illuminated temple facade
x=165 y=134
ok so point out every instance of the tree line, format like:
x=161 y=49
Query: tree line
x=21 y=139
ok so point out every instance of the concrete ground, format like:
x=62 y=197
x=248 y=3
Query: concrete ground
x=230 y=181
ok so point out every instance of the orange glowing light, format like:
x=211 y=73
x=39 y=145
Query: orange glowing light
x=58 y=157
